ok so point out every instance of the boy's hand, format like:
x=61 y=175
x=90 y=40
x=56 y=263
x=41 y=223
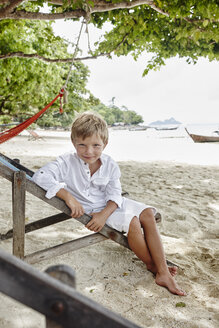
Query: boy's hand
x=75 y=207
x=97 y=222
x=99 y=219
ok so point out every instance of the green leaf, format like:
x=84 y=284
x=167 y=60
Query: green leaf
x=180 y=304
x=178 y=37
x=205 y=23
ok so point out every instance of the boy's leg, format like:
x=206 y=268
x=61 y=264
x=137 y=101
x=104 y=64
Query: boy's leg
x=155 y=247
x=138 y=244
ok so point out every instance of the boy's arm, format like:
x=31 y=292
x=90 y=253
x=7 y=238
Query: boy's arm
x=75 y=207
x=49 y=177
x=99 y=219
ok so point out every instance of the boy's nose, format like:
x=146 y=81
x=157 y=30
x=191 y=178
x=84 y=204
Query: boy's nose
x=89 y=150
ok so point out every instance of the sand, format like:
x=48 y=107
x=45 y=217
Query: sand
x=188 y=198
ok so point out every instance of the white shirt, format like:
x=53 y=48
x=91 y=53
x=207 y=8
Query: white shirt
x=71 y=173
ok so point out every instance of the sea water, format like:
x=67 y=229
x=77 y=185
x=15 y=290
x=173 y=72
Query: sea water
x=164 y=145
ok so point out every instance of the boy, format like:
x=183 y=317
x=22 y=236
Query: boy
x=88 y=182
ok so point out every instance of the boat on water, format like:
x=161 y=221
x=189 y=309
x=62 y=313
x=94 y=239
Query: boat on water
x=166 y=128
x=138 y=128
x=200 y=138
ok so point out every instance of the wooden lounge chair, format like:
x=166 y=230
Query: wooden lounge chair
x=34 y=135
x=20 y=176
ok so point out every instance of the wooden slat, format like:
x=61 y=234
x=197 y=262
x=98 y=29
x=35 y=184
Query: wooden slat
x=18 y=208
x=16 y=163
x=63 y=248
x=50 y=220
x=56 y=300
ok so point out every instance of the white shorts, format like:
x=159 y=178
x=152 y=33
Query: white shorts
x=121 y=218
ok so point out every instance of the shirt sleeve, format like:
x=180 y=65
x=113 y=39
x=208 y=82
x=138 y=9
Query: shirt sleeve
x=49 y=177
x=113 y=188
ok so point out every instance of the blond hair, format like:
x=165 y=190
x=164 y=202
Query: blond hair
x=87 y=124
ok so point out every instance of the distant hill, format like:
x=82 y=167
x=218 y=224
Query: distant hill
x=170 y=121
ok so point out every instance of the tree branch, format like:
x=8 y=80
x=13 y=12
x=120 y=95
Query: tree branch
x=102 y=6
x=11 y=5
x=3 y=2
x=22 y=14
x=99 y=6
x=21 y=54
x=50 y=60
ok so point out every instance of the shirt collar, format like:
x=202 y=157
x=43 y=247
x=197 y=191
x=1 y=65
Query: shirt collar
x=80 y=160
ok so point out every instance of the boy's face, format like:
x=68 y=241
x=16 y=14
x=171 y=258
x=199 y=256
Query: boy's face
x=89 y=149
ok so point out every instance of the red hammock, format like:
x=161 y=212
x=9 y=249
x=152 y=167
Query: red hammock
x=8 y=134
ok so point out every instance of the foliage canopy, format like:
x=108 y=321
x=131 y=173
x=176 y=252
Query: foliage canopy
x=187 y=28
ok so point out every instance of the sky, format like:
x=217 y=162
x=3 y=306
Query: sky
x=188 y=93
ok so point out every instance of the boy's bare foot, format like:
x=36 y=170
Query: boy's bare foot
x=153 y=269
x=167 y=280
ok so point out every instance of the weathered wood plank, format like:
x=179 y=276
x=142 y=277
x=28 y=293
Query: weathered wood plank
x=66 y=275
x=56 y=300
x=64 y=248
x=18 y=209
x=16 y=162
x=50 y=220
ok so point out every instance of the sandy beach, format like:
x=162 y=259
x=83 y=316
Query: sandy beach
x=187 y=195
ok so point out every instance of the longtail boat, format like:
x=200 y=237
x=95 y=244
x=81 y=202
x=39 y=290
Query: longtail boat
x=200 y=138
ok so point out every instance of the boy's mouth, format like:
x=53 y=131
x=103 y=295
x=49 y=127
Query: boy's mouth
x=88 y=157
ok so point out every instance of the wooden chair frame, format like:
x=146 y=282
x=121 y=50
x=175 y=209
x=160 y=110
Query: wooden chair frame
x=33 y=135
x=20 y=177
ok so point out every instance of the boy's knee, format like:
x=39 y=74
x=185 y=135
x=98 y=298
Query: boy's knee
x=147 y=216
